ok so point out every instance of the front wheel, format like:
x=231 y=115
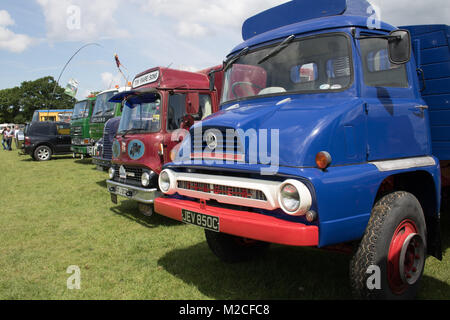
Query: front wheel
x=43 y=153
x=390 y=260
x=231 y=249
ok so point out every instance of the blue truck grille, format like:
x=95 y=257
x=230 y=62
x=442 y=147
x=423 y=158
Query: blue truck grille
x=107 y=146
x=227 y=141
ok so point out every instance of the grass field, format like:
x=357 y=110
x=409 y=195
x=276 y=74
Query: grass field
x=57 y=214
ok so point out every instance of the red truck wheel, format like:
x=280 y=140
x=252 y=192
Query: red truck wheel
x=231 y=249
x=394 y=245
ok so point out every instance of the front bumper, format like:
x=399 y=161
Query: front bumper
x=245 y=224
x=79 y=149
x=102 y=162
x=141 y=195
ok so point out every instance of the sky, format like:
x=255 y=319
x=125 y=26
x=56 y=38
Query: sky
x=37 y=37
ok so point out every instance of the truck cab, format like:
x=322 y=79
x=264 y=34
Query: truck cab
x=103 y=111
x=79 y=126
x=323 y=140
x=163 y=104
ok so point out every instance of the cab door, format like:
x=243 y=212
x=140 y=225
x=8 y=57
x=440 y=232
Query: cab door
x=181 y=113
x=63 y=138
x=397 y=121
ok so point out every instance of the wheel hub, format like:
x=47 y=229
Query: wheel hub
x=406 y=258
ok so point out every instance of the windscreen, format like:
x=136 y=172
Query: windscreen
x=141 y=114
x=102 y=105
x=81 y=110
x=314 y=64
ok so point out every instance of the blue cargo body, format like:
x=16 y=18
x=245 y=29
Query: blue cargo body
x=432 y=53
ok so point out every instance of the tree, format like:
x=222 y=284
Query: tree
x=18 y=104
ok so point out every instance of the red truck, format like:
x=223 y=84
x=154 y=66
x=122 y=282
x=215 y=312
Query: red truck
x=158 y=111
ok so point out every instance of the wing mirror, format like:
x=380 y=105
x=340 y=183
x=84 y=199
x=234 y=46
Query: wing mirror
x=399 y=46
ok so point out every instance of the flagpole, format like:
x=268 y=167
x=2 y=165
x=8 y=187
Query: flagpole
x=67 y=63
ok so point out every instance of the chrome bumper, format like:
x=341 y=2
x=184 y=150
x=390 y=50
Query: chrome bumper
x=141 y=195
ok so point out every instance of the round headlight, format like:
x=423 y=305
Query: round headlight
x=111 y=172
x=145 y=179
x=290 y=198
x=294 y=198
x=164 y=181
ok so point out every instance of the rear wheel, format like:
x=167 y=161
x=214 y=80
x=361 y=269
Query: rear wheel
x=231 y=249
x=395 y=245
x=43 y=153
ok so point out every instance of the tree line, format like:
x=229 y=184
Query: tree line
x=18 y=104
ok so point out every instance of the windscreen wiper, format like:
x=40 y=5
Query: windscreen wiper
x=278 y=49
x=229 y=62
x=131 y=130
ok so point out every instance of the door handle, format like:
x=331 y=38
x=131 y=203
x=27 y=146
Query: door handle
x=422 y=108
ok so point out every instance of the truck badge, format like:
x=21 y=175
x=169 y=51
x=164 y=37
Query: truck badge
x=211 y=140
x=122 y=172
x=136 y=149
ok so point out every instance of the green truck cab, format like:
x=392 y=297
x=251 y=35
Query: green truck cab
x=80 y=126
x=103 y=111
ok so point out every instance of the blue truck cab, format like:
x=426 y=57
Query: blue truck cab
x=326 y=137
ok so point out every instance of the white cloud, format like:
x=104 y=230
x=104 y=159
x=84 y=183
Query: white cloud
x=5 y=19
x=81 y=20
x=9 y=40
x=199 y=17
x=109 y=80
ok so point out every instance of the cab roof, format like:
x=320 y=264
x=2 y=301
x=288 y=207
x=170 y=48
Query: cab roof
x=304 y=16
x=166 y=78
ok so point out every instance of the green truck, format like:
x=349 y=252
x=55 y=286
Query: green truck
x=103 y=111
x=80 y=127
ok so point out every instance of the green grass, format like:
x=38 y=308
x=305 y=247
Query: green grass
x=57 y=214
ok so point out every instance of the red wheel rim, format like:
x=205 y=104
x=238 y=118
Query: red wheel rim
x=406 y=257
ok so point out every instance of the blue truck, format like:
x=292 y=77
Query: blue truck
x=332 y=132
x=102 y=152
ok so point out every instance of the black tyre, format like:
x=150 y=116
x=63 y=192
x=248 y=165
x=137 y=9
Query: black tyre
x=231 y=249
x=42 y=153
x=390 y=260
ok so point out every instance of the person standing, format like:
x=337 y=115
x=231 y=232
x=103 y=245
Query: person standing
x=4 y=139
x=9 y=137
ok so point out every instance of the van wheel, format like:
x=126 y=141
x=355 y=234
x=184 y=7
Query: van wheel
x=231 y=249
x=43 y=153
x=390 y=260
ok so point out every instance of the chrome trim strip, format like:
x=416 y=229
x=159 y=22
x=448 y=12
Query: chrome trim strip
x=269 y=188
x=402 y=164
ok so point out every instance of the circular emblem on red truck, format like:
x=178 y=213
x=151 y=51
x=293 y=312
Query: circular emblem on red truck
x=136 y=149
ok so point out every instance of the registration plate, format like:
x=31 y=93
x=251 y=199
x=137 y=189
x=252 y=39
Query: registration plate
x=122 y=191
x=201 y=220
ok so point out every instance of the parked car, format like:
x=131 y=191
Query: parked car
x=45 y=139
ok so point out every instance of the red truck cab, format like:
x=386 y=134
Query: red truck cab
x=161 y=106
